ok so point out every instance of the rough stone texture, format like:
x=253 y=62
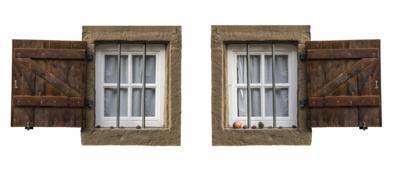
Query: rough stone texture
x=222 y=35
x=170 y=135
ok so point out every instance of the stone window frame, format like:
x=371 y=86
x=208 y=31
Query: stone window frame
x=223 y=35
x=170 y=134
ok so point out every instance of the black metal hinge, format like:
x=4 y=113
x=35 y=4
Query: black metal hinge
x=303 y=102
x=89 y=56
x=302 y=55
x=89 y=104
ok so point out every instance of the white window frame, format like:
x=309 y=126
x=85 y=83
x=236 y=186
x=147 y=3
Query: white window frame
x=233 y=50
x=130 y=49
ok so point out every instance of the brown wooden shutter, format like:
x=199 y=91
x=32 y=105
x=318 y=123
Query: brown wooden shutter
x=344 y=83
x=48 y=83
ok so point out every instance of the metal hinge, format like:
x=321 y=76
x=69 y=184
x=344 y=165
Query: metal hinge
x=363 y=126
x=89 y=56
x=303 y=103
x=89 y=104
x=29 y=125
x=302 y=55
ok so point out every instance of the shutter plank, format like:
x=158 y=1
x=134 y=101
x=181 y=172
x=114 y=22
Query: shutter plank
x=41 y=71
x=344 y=101
x=345 y=76
x=50 y=53
x=48 y=101
x=342 y=53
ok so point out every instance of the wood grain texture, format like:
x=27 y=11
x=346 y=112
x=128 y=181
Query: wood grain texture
x=48 y=83
x=48 y=101
x=342 y=53
x=344 y=101
x=50 y=53
x=344 y=89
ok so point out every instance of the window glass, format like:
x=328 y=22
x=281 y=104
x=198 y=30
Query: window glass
x=281 y=69
x=111 y=69
x=110 y=102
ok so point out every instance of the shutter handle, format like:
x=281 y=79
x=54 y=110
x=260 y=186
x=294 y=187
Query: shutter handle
x=376 y=84
x=15 y=83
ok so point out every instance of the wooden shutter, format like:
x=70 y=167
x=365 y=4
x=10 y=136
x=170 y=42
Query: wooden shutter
x=343 y=83
x=48 y=83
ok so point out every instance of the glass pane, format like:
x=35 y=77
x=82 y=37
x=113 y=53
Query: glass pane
x=281 y=102
x=137 y=68
x=281 y=69
x=256 y=102
x=110 y=102
x=241 y=102
x=241 y=69
x=150 y=69
x=111 y=69
x=255 y=69
x=150 y=102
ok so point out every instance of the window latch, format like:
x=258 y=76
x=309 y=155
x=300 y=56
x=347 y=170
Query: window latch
x=29 y=125
x=303 y=103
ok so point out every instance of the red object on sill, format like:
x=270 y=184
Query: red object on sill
x=237 y=125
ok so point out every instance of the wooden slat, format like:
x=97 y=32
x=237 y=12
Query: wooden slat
x=78 y=54
x=345 y=76
x=48 y=101
x=344 y=101
x=49 y=77
x=342 y=53
x=343 y=44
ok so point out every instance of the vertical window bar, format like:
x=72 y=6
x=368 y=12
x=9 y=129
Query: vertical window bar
x=143 y=86
x=248 y=88
x=118 y=87
x=274 y=85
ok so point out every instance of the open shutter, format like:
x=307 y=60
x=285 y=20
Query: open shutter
x=343 y=83
x=48 y=83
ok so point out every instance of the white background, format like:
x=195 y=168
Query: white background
x=54 y=159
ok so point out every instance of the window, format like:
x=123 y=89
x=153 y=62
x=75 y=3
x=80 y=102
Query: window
x=130 y=84
x=259 y=110
x=272 y=117
x=99 y=83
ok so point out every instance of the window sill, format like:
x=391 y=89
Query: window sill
x=131 y=129
x=263 y=129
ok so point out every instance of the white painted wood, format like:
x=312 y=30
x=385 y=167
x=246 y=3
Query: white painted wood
x=130 y=49
x=233 y=50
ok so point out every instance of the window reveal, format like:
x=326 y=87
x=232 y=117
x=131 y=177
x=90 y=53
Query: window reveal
x=268 y=95
x=131 y=110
